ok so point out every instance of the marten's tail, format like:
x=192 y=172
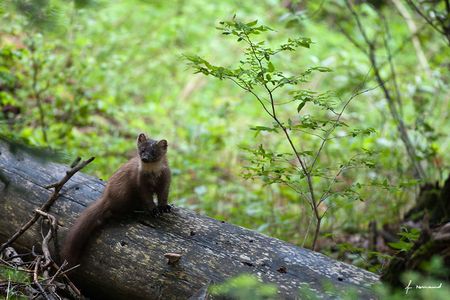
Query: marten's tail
x=78 y=235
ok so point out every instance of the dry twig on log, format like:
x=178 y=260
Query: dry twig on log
x=45 y=207
x=44 y=263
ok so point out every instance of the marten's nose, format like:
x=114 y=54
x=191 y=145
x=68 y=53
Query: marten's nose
x=145 y=159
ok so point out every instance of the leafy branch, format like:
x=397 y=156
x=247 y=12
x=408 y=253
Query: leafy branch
x=258 y=75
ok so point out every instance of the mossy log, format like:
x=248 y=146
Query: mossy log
x=125 y=259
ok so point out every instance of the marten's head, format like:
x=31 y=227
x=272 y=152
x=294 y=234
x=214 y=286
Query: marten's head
x=149 y=150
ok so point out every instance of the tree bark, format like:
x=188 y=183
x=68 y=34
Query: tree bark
x=125 y=258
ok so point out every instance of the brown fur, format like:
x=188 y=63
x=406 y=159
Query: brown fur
x=131 y=187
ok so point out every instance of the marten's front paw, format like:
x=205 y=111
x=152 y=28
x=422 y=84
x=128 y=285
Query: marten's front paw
x=155 y=212
x=159 y=210
x=164 y=208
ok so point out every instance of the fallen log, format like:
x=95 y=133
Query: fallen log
x=126 y=259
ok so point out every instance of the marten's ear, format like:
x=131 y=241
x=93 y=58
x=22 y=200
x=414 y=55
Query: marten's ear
x=163 y=144
x=141 y=138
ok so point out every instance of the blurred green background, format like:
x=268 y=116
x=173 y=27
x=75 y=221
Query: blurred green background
x=104 y=71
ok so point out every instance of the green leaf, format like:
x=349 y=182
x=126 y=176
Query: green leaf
x=82 y=3
x=401 y=245
x=270 y=67
x=323 y=69
x=306 y=153
x=263 y=128
x=300 y=106
x=253 y=23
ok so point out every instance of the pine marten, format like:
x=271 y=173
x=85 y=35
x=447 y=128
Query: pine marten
x=131 y=187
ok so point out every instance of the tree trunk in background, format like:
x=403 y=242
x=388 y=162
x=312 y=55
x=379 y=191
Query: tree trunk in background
x=125 y=259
